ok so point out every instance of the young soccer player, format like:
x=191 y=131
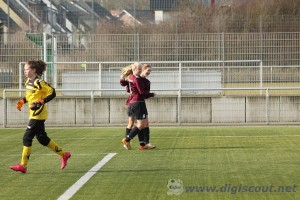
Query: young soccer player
x=126 y=72
x=38 y=93
x=139 y=91
x=146 y=71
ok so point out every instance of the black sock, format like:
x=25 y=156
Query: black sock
x=127 y=131
x=141 y=136
x=147 y=135
x=134 y=131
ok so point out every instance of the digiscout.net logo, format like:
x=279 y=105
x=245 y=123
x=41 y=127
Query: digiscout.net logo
x=175 y=187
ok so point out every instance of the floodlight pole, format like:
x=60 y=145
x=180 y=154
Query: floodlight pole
x=54 y=53
x=20 y=78
x=45 y=52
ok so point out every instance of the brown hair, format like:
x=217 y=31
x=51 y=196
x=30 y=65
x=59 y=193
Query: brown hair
x=39 y=66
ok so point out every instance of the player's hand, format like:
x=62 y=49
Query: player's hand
x=37 y=105
x=19 y=104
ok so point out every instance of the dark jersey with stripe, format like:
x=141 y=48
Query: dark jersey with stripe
x=139 y=88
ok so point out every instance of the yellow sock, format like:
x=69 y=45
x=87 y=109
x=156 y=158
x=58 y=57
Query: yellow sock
x=54 y=147
x=25 y=155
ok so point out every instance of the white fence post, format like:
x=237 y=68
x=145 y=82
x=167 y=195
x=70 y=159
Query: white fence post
x=4 y=109
x=92 y=108
x=260 y=76
x=179 y=94
x=267 y=106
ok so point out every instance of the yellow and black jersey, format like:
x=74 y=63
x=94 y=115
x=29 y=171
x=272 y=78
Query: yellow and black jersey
x=36 y=91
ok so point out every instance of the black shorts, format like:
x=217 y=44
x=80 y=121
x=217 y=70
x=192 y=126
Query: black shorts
x=35 y=128
x=139 y=110
x=130 y=112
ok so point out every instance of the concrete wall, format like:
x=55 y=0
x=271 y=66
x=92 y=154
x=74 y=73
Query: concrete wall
x=106 y=111
x=228 y=110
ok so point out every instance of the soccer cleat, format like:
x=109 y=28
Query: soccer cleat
x=150 y=146
x=143 y=148
x=126 y=145
x=19 y=168
x=64 y=159
x=147 y=146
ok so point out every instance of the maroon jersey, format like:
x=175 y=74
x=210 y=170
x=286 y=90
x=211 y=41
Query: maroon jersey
x=139 y=88
x=126 y=83
x=147 y=84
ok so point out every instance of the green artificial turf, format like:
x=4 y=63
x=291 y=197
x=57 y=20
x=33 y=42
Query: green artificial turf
x=232 y=162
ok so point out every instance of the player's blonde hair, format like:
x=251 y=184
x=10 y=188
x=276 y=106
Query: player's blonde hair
x=145 y=66
x=128 y=70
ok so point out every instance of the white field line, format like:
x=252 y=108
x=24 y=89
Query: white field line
x=84 y=179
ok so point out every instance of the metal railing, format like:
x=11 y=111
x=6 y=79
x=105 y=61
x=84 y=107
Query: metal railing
x=160 y=70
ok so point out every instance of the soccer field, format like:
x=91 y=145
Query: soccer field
x=232 y=162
